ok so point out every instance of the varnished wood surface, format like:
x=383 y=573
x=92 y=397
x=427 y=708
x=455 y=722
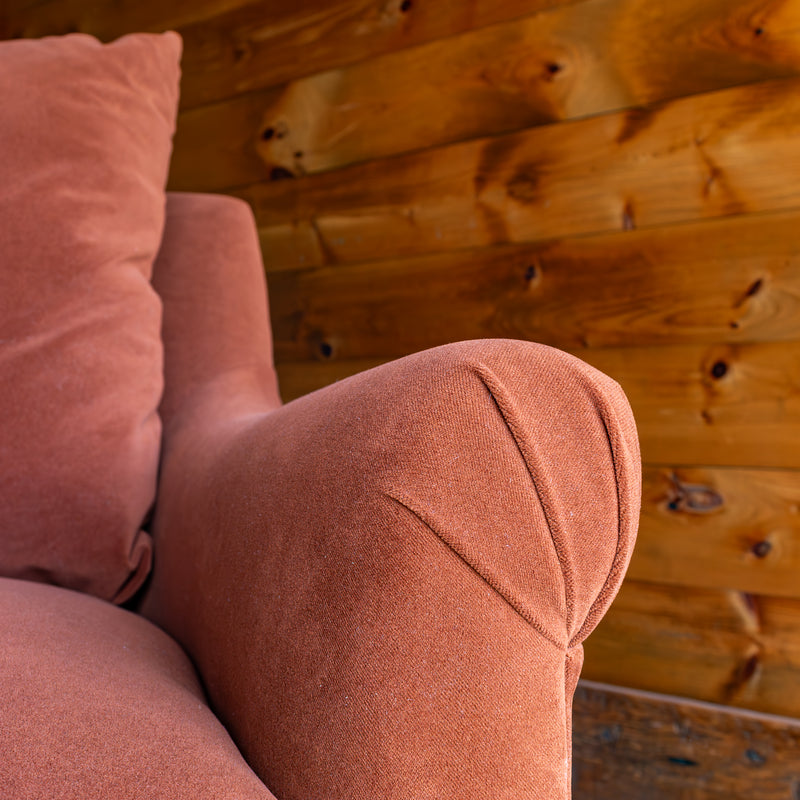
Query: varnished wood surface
x=723 y=646
x=359 y=88
x=720 y=528
x=574 y=61
x=630 y=745
x=732 y=280
x=267 y=44
x=108 y=19
x=722 y=154
x=236 y=46
x=716 y=405
x=733 y=405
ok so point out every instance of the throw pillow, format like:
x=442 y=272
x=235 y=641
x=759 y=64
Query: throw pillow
x=85 y=137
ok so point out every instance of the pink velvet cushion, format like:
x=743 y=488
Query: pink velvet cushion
x=85 y=137
x=98 y=704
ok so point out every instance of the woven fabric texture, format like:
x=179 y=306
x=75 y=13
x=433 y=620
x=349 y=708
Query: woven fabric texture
x=98 y=704
x=384 y=584
x=85 y=138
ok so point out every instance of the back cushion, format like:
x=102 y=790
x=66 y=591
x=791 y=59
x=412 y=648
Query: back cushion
x=85 y=140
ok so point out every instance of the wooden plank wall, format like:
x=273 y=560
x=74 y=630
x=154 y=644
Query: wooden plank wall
x=618 y=178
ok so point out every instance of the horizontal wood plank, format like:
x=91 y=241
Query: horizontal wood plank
x=237 y=46
x=228 y=148
x=720 y=646
x=263 y=45
x=721 y=154
x=730 y=280
x=574 y=61
x=13 y=8
x=715 y=405
x=720 y=405
x=629 y=745
x=109 y=19
x=720 y=528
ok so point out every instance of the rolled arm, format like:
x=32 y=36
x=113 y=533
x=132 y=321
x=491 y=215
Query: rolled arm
x=385 y=584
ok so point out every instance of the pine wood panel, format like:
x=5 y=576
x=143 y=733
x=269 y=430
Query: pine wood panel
x=236 y=46
x=720 y=528
x=734 y=405
x=731 y=280
x=719 y=154
x=248 y=50
x=715 y=405
x=108 y=19
x=228 y=147
x=13 y=8
x=583 y=59
x=629 y=745
x=721 y=646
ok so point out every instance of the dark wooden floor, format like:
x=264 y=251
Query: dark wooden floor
x=638 y=746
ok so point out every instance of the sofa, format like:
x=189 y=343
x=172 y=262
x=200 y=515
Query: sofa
x=378 y=590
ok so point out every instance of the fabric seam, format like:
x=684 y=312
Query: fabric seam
x=404 y=503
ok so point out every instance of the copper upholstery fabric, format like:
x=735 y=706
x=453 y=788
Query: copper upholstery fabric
x=98 y=704
x=385 y=584
x=85 y=140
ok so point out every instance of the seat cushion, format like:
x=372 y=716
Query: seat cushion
x=96 y=702
x=85 y=137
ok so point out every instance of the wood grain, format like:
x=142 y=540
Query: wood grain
x=574 y=61
x=720 y=528
x=237 y=46
x=265 y=45
x=629 y=745
x=720 y=154
x=230 y=146
x=13 y=8
x=109 y=19
x=715 y=405
x=720 y=405
x=730 y=280
x=721 y=646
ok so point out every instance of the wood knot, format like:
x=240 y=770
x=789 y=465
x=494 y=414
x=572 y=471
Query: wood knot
x=761 y=549
x=551 y=69
x=754 y=288
x=628 y=219
x=280 y=173
x=719 y=370
x=742 y=674
x=611 y=735
x=276 y=131
x=240 y=52
x=524 y=186
x=693 y=498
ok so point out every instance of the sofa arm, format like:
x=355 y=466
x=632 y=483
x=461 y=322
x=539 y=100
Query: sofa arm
x=385 y=584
